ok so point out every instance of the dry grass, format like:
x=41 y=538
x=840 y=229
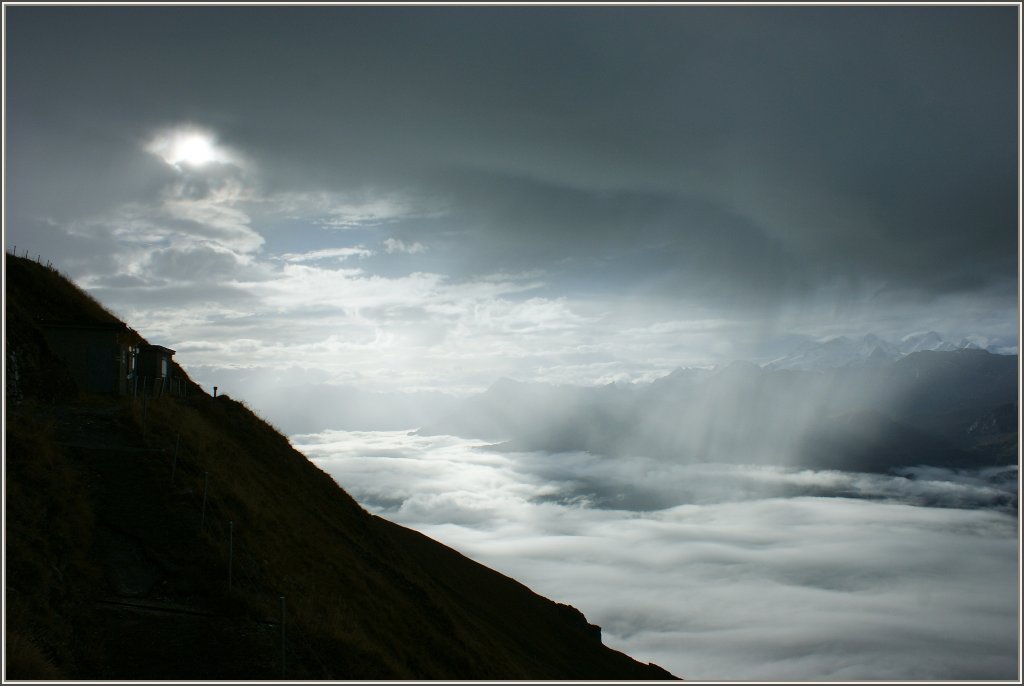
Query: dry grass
x=43 y=291
x=51 y=571
x=26 y=661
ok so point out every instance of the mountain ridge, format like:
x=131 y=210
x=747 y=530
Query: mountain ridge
x=867 y=350
x=934 y=406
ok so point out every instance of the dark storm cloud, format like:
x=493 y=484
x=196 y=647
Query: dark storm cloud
x=604 y=241
x=784 y=147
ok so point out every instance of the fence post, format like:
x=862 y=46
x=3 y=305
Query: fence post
x=231 y=551
x=174 y=463
x=206 y=485
x=283 y=668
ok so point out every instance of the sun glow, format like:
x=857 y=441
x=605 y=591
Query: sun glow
x=187 y=147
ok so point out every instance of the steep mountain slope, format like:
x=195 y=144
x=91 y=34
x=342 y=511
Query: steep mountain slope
x=184 y=538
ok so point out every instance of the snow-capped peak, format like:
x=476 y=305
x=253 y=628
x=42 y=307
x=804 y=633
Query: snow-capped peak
x=868 y=350
x=929 y=340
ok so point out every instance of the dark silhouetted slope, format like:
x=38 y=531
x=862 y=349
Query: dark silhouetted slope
x=165 y=538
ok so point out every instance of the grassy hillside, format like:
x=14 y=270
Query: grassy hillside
x=166 y=538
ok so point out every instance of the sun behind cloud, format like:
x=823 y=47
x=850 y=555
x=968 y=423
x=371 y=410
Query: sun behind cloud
x=188 y=146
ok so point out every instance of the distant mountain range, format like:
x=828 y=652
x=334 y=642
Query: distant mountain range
x=880 y=410
x=868 y=350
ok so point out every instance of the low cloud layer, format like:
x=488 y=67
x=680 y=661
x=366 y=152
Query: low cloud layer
x=723 y=571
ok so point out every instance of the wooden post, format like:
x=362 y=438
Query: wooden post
x=283 y=659
x=231 y=551
x=174 y=463
x=206 y=486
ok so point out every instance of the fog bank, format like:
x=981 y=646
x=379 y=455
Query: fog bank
x=723 y=571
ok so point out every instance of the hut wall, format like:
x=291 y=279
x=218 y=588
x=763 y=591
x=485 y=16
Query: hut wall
x=93 y=358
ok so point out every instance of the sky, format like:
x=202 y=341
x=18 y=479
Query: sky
x=427 y=199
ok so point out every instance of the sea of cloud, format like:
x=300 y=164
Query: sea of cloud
x=723 y=572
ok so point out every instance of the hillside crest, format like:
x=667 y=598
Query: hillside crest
x=174 y=535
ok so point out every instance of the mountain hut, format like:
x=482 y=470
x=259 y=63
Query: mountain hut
x=99 y=356
x=153 y=368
